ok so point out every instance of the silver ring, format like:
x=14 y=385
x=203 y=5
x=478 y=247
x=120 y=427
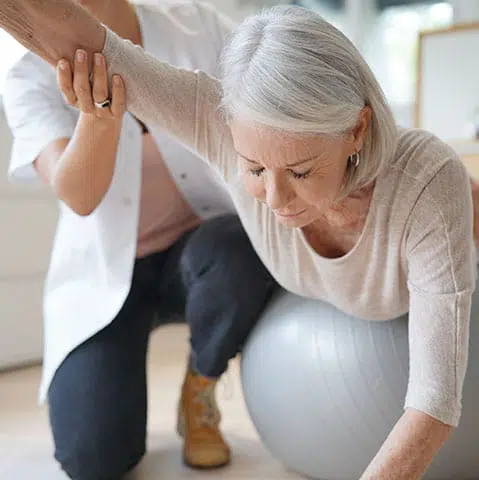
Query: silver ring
x=106 y=103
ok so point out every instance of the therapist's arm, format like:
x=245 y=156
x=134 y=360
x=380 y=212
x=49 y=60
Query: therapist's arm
x=52 y=29
x=80 y=169
x=181 y=103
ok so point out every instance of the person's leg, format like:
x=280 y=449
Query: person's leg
x=97 y=399
x=224 y=287
x=228 y=288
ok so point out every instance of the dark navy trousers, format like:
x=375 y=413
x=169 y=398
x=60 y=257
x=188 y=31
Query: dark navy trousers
x=212 y=279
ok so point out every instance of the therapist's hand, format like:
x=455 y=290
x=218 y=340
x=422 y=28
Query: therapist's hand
x=91 y=93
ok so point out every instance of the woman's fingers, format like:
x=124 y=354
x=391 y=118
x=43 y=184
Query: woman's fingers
x=65 y=82
x=118 y=97
x=81 y=82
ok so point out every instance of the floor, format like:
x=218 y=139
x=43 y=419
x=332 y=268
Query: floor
x=26 y=447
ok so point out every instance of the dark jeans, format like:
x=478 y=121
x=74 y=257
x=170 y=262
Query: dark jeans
x=98 y=401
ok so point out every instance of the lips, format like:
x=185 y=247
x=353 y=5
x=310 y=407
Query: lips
x=289 y=214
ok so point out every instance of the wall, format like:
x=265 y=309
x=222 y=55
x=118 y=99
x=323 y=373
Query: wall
x=465 y=11
x=27 y=218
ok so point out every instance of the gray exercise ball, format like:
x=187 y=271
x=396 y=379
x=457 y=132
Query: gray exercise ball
x=324 y=390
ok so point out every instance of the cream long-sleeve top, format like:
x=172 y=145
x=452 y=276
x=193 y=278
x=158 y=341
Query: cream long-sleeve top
x=416 y=252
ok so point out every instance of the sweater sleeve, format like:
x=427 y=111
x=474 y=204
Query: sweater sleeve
x=441 y=280
x=179 y=102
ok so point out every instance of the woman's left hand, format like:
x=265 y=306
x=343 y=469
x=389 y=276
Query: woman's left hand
x=409 y=449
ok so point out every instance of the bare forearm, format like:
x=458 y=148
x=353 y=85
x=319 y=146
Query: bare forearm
x=52 y=29
x=84 y=172
x=409 y=449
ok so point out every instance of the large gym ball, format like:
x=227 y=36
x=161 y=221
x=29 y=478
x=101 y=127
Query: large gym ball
x=325 y=389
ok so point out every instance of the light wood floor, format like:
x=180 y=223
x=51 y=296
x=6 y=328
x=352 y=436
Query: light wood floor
x=26 y=446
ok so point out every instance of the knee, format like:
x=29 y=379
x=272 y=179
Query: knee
x=98 y=456
x=221 y=242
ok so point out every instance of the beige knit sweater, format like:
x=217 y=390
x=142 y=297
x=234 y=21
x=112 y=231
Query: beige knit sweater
x=416 y=252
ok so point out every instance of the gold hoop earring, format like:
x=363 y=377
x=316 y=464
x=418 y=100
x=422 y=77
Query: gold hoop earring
x=354 y=159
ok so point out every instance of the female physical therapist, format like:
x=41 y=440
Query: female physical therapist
x=145 y=231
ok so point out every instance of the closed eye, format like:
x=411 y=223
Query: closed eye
x=257 y=171
x=298 y=175
x=301 y=175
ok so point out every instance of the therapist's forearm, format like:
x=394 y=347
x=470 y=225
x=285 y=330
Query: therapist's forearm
x=409 y=449
x=52 y=29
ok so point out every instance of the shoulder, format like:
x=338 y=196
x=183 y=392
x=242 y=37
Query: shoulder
x=432 y=184
x=187 y=17
x=30 y=68
x=421 y=155
x=28 y=75
x=185 y=33
x=32 y=101
x=423 y=162
x=187 y=12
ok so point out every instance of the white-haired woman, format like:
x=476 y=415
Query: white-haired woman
x=339 y=203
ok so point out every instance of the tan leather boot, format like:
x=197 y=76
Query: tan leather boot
x=198 y=424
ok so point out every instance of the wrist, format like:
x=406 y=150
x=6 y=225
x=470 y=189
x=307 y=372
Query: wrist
x=103 y=124
x=52 y=29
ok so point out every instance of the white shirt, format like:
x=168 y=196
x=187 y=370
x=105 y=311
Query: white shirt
x=92 y=258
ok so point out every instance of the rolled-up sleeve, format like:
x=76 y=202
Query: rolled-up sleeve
x=441 y=281
x=36 y=114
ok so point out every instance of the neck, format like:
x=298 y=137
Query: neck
x=122 y=19
x=351 y=211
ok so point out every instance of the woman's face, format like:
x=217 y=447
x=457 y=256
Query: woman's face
x=297 y=176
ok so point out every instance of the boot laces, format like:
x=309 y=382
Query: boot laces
x=210 y=413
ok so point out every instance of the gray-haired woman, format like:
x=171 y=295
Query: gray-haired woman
x=339 y=203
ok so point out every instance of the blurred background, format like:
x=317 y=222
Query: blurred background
x=385 y=31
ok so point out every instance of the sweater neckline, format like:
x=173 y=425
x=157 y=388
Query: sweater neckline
x=365 y=232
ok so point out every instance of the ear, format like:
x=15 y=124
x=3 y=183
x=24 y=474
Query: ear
x=359 y=131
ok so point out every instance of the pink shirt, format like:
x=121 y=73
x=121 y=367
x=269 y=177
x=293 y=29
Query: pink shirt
x=165 y=215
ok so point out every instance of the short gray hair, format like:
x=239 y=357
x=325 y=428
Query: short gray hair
x=289 y=69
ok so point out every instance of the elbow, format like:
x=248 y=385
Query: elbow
x=82 y=210
x=74 y=199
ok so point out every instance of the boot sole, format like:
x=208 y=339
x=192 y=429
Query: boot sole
x=205 y=467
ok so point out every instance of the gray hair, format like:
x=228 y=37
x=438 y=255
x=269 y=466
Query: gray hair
x=289 y=69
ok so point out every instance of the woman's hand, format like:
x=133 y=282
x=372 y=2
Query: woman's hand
x=91 y=94
x=409 y=449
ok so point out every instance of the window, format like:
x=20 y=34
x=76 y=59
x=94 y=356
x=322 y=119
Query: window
x=391 y=49
x=386 y=33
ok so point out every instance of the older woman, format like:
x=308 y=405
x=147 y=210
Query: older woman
x=339 y=203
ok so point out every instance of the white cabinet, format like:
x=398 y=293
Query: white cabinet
x=28 y=217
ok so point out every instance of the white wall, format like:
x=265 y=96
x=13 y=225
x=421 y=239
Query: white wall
x=27 y=218
x=465 y=11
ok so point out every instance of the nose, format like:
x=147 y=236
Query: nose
x=278 y=193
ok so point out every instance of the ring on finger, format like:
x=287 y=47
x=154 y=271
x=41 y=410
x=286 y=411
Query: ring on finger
x=106 y=103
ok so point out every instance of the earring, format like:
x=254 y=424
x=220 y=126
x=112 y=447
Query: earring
x=354 y=159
